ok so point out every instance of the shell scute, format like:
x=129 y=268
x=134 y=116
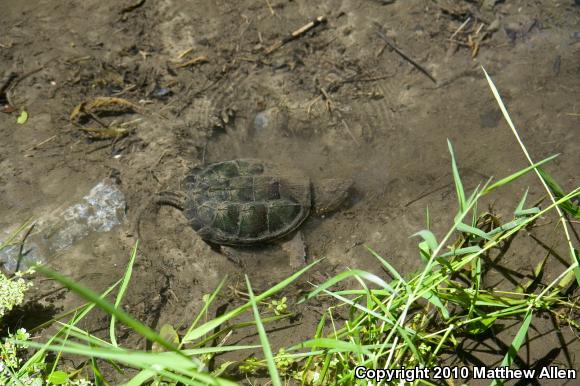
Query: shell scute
x=246 y=201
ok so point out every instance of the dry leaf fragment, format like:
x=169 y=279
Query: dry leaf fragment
x=106 y=133
x=103 y=104
x=22 y=118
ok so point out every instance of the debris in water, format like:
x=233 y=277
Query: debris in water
x=192 y=62
x=106 y=133
x=99 y=211
x=271 y=120
x=22 y=118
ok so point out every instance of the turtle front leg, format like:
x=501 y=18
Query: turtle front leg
x=232 y=255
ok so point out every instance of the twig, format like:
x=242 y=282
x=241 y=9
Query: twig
x=13 y=85
x=194 y=61
x=460 y=28
x=356 y=79
x=5 y=82
x=296 y=34
x=21 y=249
x=97 y=119
x=34 y=147
x=425 y=194
x=311 y=103
x=349 y=131
x=404 y=56
x=329 y=102
x=24 y=76
x=132 y=7
x=184 y=53
x=270 y=8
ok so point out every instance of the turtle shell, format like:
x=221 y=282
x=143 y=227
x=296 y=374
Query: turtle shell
x=246 y=201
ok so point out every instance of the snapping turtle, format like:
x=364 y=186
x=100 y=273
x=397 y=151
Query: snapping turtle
x=247 y=201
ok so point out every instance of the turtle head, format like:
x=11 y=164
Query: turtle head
x=330 y=194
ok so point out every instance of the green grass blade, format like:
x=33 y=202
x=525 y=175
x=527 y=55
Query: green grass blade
x=461 y=251
x=8 y=241
x=384 y=317
x=517 y=175
x=121 y=315
x=334 y=344
x=178 y=364
x=516 y=344
x=510 y=225
x=345 y=275
x=436 y=301
x=457 y=179
x=139 y=379
x=205 y=307
x=429 y=238
x=124 y=284
x=568 y=206
x=38 y=355
x=472 y=230
x=274 y=376
x=520 y=206
x=317 y=334
x=573 y=255
x=212 y=324
x=388 y=266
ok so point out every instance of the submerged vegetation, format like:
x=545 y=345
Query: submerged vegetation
x=390 y=323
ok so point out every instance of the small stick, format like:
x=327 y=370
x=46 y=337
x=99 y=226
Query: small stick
x=311 y=103
x=24 y=76
x=349 y=131
x=13 y=85
x=404 y=56
x=34 y=147
x=425 y=194
x=5 y=82
x=194 y=61
x=161 y=157
x=184 y=53
x=380 y=52
x=21 y=249
x=329 y=102
x=296 y=34
x=270 y=8
x=97 y=119
x=460 y=28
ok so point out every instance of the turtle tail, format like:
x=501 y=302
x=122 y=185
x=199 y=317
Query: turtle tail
x=176 y=200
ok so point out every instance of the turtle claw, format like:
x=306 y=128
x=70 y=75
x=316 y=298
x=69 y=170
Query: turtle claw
x=296 y=250
x=232 y=255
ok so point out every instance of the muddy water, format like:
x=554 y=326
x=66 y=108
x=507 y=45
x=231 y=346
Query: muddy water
x=335 y=103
